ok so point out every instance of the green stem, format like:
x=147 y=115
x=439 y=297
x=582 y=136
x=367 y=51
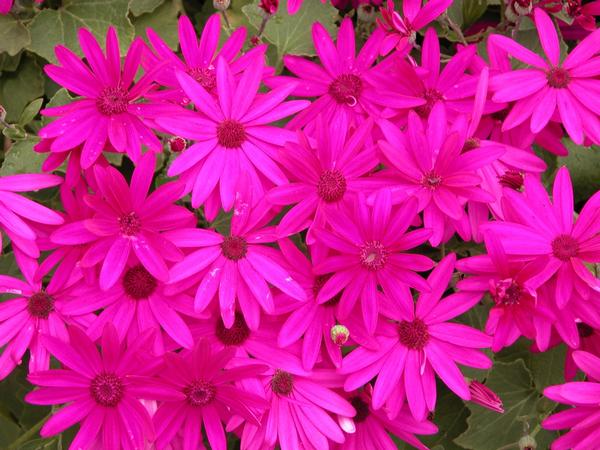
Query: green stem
x=28 y=435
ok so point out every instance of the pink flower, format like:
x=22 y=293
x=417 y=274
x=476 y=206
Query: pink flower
x=369 y=247
x=139 y=302
x=300 y=411
x=584 y=417
x=231 y=135
x=509 y=282
x=107 y=111
x=429 y=164
x=371 y=428
x=544 y=87
x=102 y=391
x=417 y=345
x=313 y=321
x=16 y=212
x=199 y=57
x=484 y=396
x=343 y=82
x=401 y=33
x=127 y=220
x=237 y=267
x=325 y=174
x=209 y=396
x=546 y=233
x=35 y=311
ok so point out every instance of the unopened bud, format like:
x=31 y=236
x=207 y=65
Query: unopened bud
x=177 y=144
x=2 y=113
x=221 y=5
x=484 y=396
x=269 y=7
x=339 y=334
x=527 y=443
x=254 y=41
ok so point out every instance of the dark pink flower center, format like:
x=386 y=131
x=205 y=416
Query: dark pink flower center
x=431 y=97
x=413 y=335
x=471 y=144
x=431 y=180
x=565 y=247
x=234 y=247
x=40 y=305
x=107 y=389
x=319 y=283
x=130 y=224
x=346 y=89
x=231 y=134
x=373 y=255
x=332 y=186
x=584 y=330
x=558 y=77
x=205 y=76
x=512 y=179
x=138 y=283
x=236 y=335
x=200 y=393
x=507 y=292
x=112 y=100
x=362 y=409
x=282 y=382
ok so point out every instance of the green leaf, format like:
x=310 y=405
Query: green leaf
x=30 y=111
x=513 y=382
x=292 y=34
x=163 y=21
x=13 y=35
x=472 y=10
x=455 y=12
x=9 y=431
x=21 y=158
x=19 y=88
x=52 y=27
x=584 y=167
x=451 y=418
x=9 y=63
x=139 y=7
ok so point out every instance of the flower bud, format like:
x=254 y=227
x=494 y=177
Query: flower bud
x=2 y=113
x=269 y=7
x=484 y=396
x=221 y=5
x=339 y=334
x=177 y=144
x=527 y=443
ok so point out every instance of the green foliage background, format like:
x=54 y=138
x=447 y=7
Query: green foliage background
x=27 y=40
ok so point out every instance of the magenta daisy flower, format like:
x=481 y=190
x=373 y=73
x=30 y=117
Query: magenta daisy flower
x=16 y=211
x=510 y=286
x=127 y=220
x=315 y=323
x=584 y=417
x=401 y=32
x=137 y=303
x=547 y=86
x=429 y=164
x=106 y=111
x=300 y=411
x=102 y=391
x=199 y=57
x=547 y=233
x=324 y=175
x=232 y=136
x=210 y=396
x=370 y=248
x=371 y=428
x=418 y=345
x=237 y=267
x=33 y=311
x=342 y=82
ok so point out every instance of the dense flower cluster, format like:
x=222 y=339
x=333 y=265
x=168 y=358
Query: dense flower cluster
x=281 y=282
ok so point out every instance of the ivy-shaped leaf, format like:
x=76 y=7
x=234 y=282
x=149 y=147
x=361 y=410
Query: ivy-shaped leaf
x=52 y=27
x=13 y=35
x=163 y=21
x=21 y=158
x=19 y=88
